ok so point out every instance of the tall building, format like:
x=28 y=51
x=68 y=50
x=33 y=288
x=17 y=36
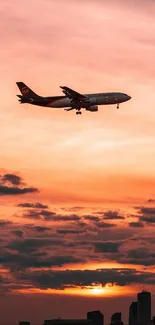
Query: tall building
x=96 y=316
x=116 y=318
x=133 y=313
x=144 y=307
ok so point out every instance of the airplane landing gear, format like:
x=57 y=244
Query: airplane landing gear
x=117 y=106
x=78 y=113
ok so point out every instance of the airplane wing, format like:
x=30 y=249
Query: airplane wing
x=72 y=94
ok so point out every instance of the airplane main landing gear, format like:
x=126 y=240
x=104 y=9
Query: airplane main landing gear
x=78 y=113
x=117 y=106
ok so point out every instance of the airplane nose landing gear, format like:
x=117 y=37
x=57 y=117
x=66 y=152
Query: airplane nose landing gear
x=117 y=106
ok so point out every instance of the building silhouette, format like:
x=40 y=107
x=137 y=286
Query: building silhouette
x=144 y=307
x=96 y=316
x=116 y=319
x=59 y=321
x=133 y=314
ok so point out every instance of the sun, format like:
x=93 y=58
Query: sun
x=97 y=291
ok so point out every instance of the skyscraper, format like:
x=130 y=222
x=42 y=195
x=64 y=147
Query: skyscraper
x=96 y=316
x=144 y=307
x=133 y=314
x=116 y=318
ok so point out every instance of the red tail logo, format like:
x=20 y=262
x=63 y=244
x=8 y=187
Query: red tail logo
x=25 y=90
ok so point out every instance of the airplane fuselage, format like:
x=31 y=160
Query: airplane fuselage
x=93 y=99
x=71 y=100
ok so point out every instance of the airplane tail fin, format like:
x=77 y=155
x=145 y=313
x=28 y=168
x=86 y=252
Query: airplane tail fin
x=26 y=91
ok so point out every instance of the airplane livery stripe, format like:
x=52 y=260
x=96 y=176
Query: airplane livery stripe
x=53 y=102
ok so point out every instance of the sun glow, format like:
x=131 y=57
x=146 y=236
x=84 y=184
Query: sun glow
x=98 y=291
x=94 y=291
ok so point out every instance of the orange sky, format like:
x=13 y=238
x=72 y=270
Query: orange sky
x=100 y=162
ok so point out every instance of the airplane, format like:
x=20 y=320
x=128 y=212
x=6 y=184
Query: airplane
x=71 y=99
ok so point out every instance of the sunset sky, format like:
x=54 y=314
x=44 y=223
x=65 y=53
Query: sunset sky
x=77 y=193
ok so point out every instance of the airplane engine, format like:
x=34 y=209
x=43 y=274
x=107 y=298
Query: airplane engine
x=93 y=108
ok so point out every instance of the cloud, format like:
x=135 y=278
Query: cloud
x=11 y=178
x=147 y=210
x=136 y=224
x=73 y=217
x=42 y=229
x=105 y=225
x=12 y=184
x=15 y=261
x=4 y=190
x=91 y=218
x=4 y=223
x=40 y=242
x=107 y=247
x=85 y=278
x=73 y=209
x=148 y=219
x=47 y=215
x=36 y=205
x=138 y=253
x=18 y=233
x=146 y=214
x=138 y=256
x=113 y=215
x=44 y=251
x=69 y=231
x=39 y=214
x=150 y=201
x=29 y=245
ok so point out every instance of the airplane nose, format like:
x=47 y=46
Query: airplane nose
x=129 y=97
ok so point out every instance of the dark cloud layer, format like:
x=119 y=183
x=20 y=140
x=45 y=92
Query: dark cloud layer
x=15 y=261
x=12 y=179
x=69 y=231
x=146 y=214
x=5 y=190
x=4 y=223
x=107 y=247
x=148 y=219
x=113 y=215
x=150 y=201
x=36 y=205
x=47 y=215
x=94 y=240
x=12 y=184
x=18 y=233
x=73 y=239
x=91 y=218
x=138 y=256
x=105 y=225
x=147 y=210
x=136 y=224
x=42 y=229
x=86 y=278
x=32 y=244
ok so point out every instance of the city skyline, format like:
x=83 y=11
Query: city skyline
x=77 y=194
x=139 y=314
